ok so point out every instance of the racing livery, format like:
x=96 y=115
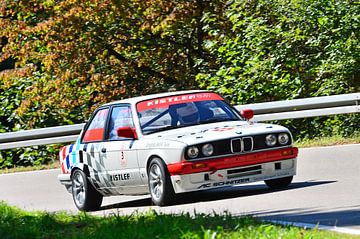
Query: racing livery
x=172 y=143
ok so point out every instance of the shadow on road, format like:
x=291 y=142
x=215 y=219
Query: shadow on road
x=216 y=194
x=347 y=217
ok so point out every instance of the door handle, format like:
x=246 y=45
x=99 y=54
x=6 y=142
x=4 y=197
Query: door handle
x=103 y=150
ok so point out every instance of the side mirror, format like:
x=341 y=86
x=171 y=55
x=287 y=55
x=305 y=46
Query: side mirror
x=247 y=113
x=126 y=132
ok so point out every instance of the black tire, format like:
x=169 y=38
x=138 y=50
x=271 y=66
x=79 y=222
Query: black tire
x=160 y=187
x=85 y=196
x=279 y=183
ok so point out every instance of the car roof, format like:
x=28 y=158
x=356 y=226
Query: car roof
x=137 y=99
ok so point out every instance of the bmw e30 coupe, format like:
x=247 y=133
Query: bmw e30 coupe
x=171 y=143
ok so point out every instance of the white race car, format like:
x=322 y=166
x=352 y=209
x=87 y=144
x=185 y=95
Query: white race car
x=172 y=143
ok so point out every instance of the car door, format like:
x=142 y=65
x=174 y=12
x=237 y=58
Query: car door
x=121 y=158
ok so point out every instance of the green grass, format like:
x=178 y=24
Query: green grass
x=51 y=165
x=15 y=223
x=327 y=141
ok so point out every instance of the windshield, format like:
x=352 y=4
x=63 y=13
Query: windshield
x=178 y=111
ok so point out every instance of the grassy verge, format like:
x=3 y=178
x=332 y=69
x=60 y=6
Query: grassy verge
x=327 y=141
x=51 y=165
x=15 y=223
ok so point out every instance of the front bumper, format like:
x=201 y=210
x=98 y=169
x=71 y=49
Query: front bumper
x=65 y=179
x=233 y=176
x=190 y=176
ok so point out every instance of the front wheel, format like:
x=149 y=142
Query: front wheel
x=161 y=189
x=279 y=183
x=85 y=196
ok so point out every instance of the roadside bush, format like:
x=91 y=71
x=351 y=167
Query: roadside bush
x=12 y=93
x=286 y=49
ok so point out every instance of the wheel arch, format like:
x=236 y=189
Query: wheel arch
x=167 y=156
x=73 y=170
x=82 y=167
x=151 y=157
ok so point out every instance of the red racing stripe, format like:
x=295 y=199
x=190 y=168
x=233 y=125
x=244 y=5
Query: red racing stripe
x=212 y=165
x=62 y=158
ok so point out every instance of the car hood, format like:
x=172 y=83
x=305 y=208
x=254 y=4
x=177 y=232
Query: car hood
x=216 y=131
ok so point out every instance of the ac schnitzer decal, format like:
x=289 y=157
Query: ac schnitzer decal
x=166 y=101
x=226 y=183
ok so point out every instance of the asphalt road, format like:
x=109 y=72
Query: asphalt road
x=326 y=190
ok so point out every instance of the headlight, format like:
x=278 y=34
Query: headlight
x=270 y=140
x=193 y=152
x=283 y=138
x=207 y=150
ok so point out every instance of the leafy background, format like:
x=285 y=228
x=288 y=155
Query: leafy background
x=61 y=59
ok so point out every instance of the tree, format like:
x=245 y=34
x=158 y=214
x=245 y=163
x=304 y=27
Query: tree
x=284 y=49
x=85 y=53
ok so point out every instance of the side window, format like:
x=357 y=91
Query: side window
x=95 y=131
x=120 y=117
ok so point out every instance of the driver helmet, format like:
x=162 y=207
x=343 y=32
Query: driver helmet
x=188 y=114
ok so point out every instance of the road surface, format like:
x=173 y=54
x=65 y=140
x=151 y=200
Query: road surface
x=326 y=190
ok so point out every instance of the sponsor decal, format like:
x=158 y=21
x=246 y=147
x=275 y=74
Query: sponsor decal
x=222 y=129
x=226 y=183
x=123 y=157
x=120 y=177
x=158 y=145
x=123 y=161
x=178 y=99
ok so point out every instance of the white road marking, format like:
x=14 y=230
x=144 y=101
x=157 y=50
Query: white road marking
x=318 y=226
x=31 y=172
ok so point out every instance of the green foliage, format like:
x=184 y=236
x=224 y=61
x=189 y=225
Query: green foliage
x=13 y=93
x=340 y=125
x=287 y=49
x=283 y=49
x=143 y=225
x=61 y=59
x=75 y=55
x=85 y=53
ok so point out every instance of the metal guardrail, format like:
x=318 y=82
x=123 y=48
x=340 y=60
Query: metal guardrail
x=44 y=136
x=305 y=108
x=277 y=110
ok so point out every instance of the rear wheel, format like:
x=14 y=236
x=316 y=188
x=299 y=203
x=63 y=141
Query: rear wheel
x=85 y=196
x=161 y=189
x=279 y=183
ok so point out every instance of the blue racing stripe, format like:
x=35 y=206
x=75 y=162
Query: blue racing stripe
x=67 y=162
x=131 y=143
